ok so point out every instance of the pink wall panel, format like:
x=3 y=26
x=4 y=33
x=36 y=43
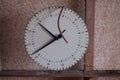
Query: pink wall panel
x=0 y=33
x=107 y=35
x=15 y=16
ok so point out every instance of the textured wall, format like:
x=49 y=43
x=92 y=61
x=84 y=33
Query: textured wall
x=106 y=78
x=34 y=78
x=0 y=33
x=15 y=16
x=107 y=35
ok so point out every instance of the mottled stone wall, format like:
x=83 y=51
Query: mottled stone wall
x=107 y=35
x=14 y=16
x=0 y=32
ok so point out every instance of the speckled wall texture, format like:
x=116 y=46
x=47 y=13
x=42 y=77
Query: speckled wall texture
x=0 y=32
x=107 y=35
x=14 y=15
x=14 y=18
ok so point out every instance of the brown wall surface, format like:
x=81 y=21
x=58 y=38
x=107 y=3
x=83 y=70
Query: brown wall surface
x=107 y=35
x=15 y=16
x=106 y=78
x=0 y=32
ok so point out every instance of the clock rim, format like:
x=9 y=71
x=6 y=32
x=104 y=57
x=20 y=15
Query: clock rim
x=56 y=8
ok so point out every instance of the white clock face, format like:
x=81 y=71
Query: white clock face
x=56 y=38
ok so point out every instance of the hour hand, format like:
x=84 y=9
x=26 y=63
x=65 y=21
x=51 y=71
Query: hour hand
x=47 y=30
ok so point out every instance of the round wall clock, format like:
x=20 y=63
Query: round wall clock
x=56 y=38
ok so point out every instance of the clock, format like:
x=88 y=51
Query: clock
x=56 y=38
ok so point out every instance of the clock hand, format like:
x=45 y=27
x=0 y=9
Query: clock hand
x=47 y=30
x=56 y=38
x=58 y=23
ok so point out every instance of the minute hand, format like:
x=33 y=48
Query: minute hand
x=47 y=30
x=58 y=37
